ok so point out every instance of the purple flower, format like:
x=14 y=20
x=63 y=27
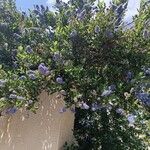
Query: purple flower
x=11 y=110
x=43 y=69
x=29 y=49
x=12 y=96
x=81 y=15
x=97 y=29
x=106 y=93
x=62 y=110
x=59 y=80
x=95 y=107
x=144 y=98
x=85 y=106
x=120 y=111
x=131 y=118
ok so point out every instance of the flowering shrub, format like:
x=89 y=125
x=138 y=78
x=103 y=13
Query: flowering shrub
x=87 y=54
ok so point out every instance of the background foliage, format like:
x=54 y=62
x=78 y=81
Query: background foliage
x=86 y=53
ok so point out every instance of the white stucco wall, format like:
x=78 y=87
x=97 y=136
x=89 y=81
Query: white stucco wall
x=46 y=130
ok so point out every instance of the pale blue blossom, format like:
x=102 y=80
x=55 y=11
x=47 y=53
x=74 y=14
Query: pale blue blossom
x=131 y=118
x=95 y=107
x=120 y=111
x=43 y=69
x=85 y=106
x=11 y=110
x=144 y=98
x=106 y=93
x=59 y=80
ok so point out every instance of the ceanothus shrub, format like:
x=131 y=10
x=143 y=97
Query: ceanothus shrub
x=88 y=55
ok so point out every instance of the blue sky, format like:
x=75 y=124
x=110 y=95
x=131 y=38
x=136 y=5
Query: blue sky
x=25 y=4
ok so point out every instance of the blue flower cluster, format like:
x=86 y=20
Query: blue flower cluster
x=12 y=110
x=84 y=105
x=144 y=98
x=108 y=91
x=95 y=106
x=120 y=111
x=131 y=119
x=43 y=69
x=60 y=80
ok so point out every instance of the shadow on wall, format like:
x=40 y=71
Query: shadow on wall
x=46 y=130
